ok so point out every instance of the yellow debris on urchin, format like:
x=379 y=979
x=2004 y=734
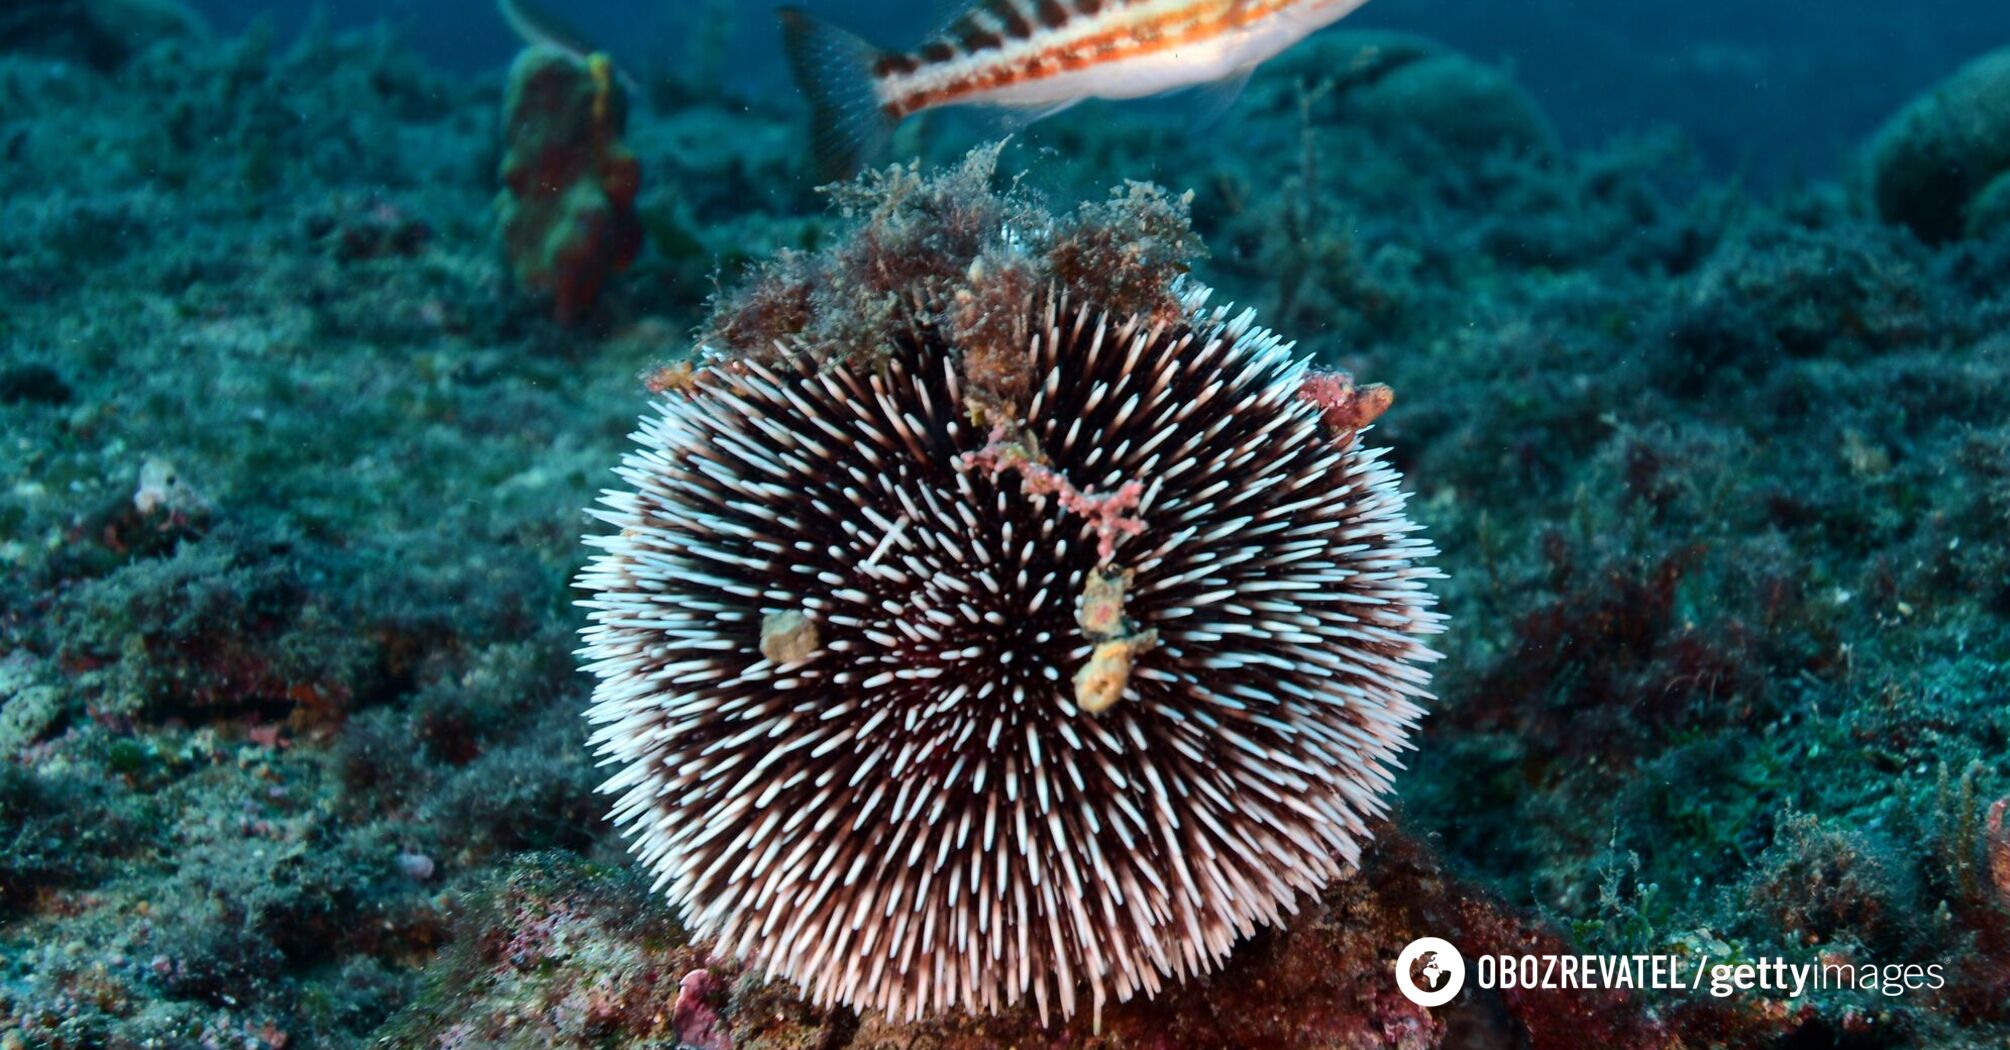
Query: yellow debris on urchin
x=1101 y=682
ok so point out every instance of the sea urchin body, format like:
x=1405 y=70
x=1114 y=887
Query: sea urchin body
x=915 y=811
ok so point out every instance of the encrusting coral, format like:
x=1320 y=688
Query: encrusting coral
x=567 y=208
x=1115 y=637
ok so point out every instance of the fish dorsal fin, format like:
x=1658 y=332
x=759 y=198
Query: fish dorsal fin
x=944 y=16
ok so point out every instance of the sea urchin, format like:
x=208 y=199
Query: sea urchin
x=923 y=714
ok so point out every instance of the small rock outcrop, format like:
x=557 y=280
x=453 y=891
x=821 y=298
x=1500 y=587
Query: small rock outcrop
x=1942 y=165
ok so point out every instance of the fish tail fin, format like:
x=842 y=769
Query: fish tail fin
x=534 y=26
x=538 y=27
x=835 y=69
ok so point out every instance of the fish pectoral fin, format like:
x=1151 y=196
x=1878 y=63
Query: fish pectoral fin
x=1001 y=122
x=1214 y=100
x=836 y=71
x=1033 y=114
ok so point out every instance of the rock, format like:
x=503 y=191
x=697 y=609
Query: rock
x=163 y=489
x=32 y=385
x=1989 y=212
x=698 y=1024
x=102 y=34
x=1457 y=101
x=29 y=706
x=415 y=866
x=1403 y=85
x=1939 y=166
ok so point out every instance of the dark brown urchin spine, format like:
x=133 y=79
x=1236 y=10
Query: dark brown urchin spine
x=913 y=813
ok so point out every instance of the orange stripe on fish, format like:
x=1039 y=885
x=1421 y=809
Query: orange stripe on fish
x=1036 y=56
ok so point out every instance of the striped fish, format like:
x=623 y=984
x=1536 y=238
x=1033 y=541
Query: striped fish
x=1037 y=57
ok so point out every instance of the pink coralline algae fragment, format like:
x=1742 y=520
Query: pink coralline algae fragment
x=698 y=1025
x=1345 y=407
x=1109 y=512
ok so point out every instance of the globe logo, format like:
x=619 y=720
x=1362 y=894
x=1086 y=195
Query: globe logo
x=1430 y=972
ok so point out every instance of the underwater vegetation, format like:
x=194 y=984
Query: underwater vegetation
x=291 y=752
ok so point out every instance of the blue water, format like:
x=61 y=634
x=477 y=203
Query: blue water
x=1772 y=90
